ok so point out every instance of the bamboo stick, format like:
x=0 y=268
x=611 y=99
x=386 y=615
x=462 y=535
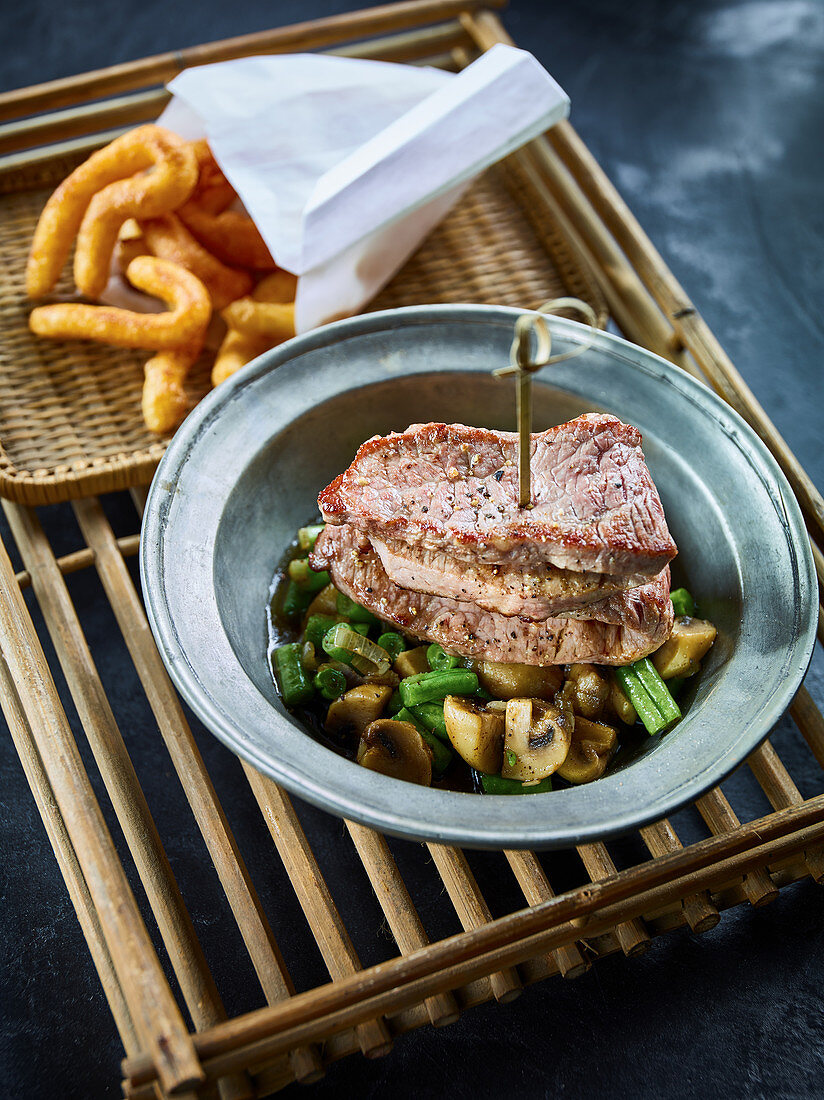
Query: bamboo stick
x=810 y=722
x=162 y=67
x=775 y=781
x=399 y=909
x=507 y=940
x=661 y=839
x=197 y=785
x=309 y=885
x=721 y=818
x=472 y=910
x=152 y=1007
x=632 y=936
x=120 y=779
x=82 y=559
x=535 y=885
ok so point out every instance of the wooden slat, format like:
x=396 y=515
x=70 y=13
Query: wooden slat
x=119 y=777
x=721 y=818
x=810 y=722
x=82 y=559
x=399 y=909
x=161 y=68
x=152 y=1008
x=535 y=885
x=197 y=785
x=632 y=936
x=472 y=910
x=320 y=911
x=661 y=839
x=775 y=781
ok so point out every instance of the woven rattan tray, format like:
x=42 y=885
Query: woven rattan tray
x=562 y=219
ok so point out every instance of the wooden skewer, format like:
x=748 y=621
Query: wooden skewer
x=632 y=936
x=156 y=1017
x=398 y=909
x=506 y=940
x=122 y=784
x=234 y=877
x=472 y=910
x=661 y=839
x=329 y=931
x=535 y=885
x=775 y=781
x=721 y=818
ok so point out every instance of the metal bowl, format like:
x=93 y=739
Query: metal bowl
x=244 y=471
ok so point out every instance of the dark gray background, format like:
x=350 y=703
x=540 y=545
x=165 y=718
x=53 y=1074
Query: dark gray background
x=709 y=118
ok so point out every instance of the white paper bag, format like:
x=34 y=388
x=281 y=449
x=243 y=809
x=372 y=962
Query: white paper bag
x=345 y=165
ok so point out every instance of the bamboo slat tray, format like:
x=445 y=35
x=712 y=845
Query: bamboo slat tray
x=600 y=910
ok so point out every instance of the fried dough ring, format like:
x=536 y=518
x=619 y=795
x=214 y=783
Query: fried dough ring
x=279 y=287
x=164 y=402
x=230 y=234
x=169 y=238
x=238 y=348
x=146 y=195
x=184 y=323
x=175 y=176
x=273 y=320
x=213 y=192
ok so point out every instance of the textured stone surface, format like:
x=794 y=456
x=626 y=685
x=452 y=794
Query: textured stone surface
x=708 y=116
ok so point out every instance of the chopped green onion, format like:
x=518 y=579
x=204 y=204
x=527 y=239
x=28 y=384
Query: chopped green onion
x=432 y=687
x=308 y=536
x=316 y=628
x=496 y=784
x=511 y=758
x=640 y=698
x=360 y=652
x=302 y=573
x=657 y=689
x=683 y=602
x=295 y=686
x=431 y=716
x=439 y=659
x=442 y=754
x=330 y=682
x=295 y=601
x=353 y=611
x=393 y=643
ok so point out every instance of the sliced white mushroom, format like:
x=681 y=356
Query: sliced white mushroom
x=590 y=690
x=537 y=739
x=477 y=734
x=592 y=745
x=519 y=681
x=359 y=706
x=396 y=749
x=681 y=653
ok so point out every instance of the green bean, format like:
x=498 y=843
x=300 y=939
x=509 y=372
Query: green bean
x=393 y=643
x=302 y=573
x=431 y=715
x=431 y=687
x=353 y=611
x=482 y=694
x=675 y=685
x=683 y=602
x=439 y=659
x=640 y=698
x=657 y=689
x=442 y=754
x=395 y=703
x=336 y=652
x=330 y=682
x=316 y=628
x=496 y=784
x=295 y=601
x=294 y=683
x=308 y=536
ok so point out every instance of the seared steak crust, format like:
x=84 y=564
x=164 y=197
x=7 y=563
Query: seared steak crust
x=638 y=621
x=451 y=488
x=534 y=591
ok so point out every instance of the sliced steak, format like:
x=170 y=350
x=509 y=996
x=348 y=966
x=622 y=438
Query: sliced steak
x=447 y=487
x=639 y=620
x=535 y=591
